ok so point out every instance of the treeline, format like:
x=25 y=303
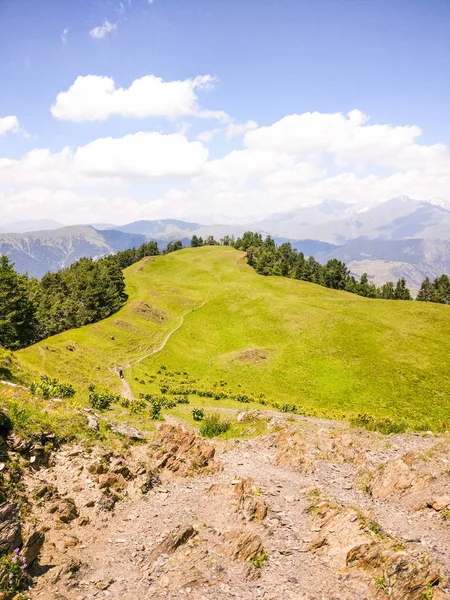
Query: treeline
x=284 y=260
x=87 y=291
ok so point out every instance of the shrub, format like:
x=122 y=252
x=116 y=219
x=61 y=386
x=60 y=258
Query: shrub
x=101 y=401
x=212 y=426
x=291 y=408
x=13 y=572
x=50 y=388
x=156 y=411
x=182 y=400
x=198 y=414
x=385 y=426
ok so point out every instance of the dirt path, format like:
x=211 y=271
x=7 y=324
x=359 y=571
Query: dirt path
x=113 y=551
x=169 y=335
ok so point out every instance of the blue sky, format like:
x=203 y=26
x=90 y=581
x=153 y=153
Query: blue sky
x=266 y=60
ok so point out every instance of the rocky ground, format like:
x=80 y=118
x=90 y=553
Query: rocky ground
x=313 y=510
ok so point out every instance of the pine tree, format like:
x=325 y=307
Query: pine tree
x=16 y=310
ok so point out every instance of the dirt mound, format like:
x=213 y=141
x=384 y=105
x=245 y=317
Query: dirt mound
x=149 y=313
x=251 y=356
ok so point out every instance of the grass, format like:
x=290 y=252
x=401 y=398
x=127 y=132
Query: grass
x=267 y=339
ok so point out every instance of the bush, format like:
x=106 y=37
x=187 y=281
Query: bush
x=198 y=414
x=385 y=426
x=288 y=408
x=212 y=426
x=156 y=411
x=50 y=388
x=101 y=401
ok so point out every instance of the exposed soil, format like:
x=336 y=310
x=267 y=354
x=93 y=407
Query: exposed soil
x=313 y=511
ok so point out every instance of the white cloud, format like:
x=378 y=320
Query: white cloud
x=65 y=36
x=107 y=162
x=299 y=160
x=95 y=98
x=235 y=129
x=9 y=125
x=141 y=155
x=349 y=139
x=102 y=31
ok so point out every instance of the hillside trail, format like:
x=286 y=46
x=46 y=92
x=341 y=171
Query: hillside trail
x=115 y=554
x=126 y=389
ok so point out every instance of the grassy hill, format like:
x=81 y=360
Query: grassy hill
x=223 y=327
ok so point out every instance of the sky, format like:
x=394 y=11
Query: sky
x=214 y=110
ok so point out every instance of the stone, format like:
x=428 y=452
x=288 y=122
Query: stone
x=246 y=546
x=393 y=478
x=441 y=502
x=127 y=431
x=92 y=422
x=10 y=530
x=32 y=546
x=247 y=416
x=67 y=511
x=177 y=537
x=182 y=452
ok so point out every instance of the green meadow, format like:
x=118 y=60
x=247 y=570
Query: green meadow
x=212 y=323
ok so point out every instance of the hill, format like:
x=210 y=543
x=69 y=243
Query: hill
x=205 y=312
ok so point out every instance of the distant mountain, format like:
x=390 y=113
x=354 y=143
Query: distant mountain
x=389 y=260
x=160 y=227
x=43 y=251
x=31 y=225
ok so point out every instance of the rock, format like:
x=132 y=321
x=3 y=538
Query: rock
x=292 y=451
x=127 y=431
x=441 y=502
x=247 y=416
x=45 y=491
x=92 y=422
x=406 y=574
x=393 y=478
x=179 y=536
x=10 y=530
x=97 y=468
x=250 y=504
x=32 y=546
x=67 y=511
x=107 y=481
x=82 y=521
x=246 y=545
x=438 y=594
x=182 y=452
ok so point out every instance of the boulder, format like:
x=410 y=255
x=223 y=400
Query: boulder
x=246 y=545
x=182 y=452
x=176 y=538
x=10 y=530
x=67 y=511
x=441 y=502
x=32 y=546
x=127 y=431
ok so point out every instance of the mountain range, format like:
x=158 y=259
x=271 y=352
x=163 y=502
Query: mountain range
x=399 y=238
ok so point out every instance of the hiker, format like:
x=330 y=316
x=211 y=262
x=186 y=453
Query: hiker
x=120 y=372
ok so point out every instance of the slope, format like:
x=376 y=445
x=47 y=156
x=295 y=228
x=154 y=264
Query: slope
x=329 y=353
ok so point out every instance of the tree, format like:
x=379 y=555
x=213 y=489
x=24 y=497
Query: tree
x=195 y=242
x=16 y=310
x=401 y=292
x=387 y=291
x=426 y=292
x=174 y=246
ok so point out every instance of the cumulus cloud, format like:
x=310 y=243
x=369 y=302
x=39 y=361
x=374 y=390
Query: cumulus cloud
x=103 y=30
x=350 y=139
x=107 y=161
x=9 y=125
x=96 y=98
x=299 y=160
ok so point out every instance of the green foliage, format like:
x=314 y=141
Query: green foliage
x=258 y=561
x=17 y=313
x=212 y=425
x=13 y=572
x=371 y=423
x=438 y=291
x=156 y=411
x=101 y=400
x=50 y=388
x=198 y=414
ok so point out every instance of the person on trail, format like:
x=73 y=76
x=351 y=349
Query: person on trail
x=120 y=372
